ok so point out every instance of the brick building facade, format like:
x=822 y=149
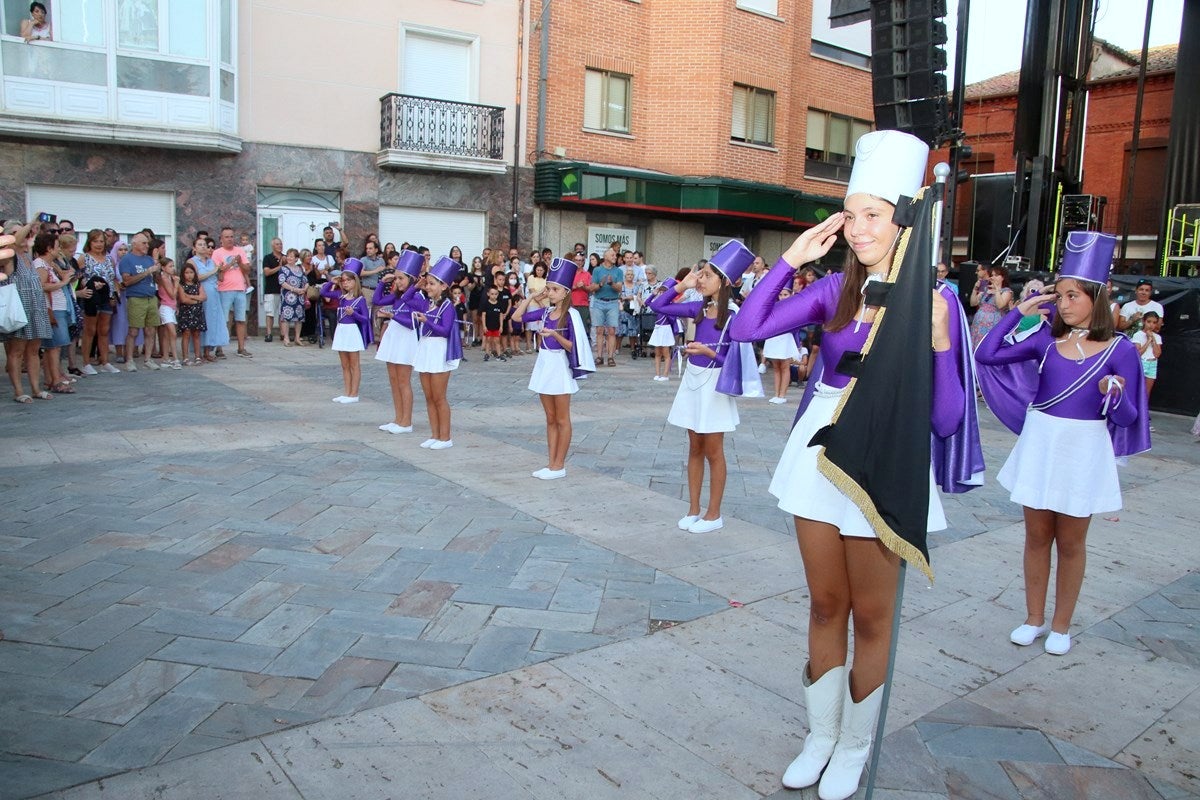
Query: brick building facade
x=989 y=115
x=715 y=137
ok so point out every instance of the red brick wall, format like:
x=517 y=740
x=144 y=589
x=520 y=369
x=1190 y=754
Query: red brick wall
x=685 y=56
x=989 y=127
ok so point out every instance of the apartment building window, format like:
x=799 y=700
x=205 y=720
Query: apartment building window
x=829 y=144
x=606 y=101
x=761 y=6
x=753 y=116
x=440 y=66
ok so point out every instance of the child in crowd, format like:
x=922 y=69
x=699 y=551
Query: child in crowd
x=395 y=300
x=438 y=351
x=563 y=356
x=458 y=298
x=717 y=371
x=352 y=333
x=779 y=352
x=662 y=339
x=168 y=304
x=492 y=311
x=1149 y=345
x=190 y=299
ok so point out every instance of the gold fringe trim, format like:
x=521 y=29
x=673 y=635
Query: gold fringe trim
x=840 y=479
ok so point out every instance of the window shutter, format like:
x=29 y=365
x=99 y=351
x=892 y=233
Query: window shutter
x=814 y=139
x=617 y=118
x=839 y=136
x=437 y=68
x=763 y=112
x=857 y=131
x=740 y=100
x=593 y=97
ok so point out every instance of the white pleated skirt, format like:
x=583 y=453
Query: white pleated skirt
x=431 y=355
x=552 y=373
x=662 y=336
x=347 y=338
x=804 y=492
x=1063 y=465
x=398 y=345
x=781 y=347
x=699 y=406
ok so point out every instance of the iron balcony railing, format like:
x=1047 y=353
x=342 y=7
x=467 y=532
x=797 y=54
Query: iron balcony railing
x=445 y=127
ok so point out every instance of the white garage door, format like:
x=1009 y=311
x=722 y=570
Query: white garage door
x=435 y=228
x=126 y=211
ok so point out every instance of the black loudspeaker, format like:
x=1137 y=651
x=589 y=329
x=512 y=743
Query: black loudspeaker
x=908 y=81
x=991 y=215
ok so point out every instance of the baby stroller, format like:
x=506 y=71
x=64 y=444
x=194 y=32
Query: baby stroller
x=645 y=322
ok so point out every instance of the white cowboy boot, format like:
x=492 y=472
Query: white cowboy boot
x=840 y=780
x=824 y=702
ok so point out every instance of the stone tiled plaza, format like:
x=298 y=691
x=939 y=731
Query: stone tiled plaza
x=215 y=583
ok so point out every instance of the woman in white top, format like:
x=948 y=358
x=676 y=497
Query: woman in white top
x=37 y=26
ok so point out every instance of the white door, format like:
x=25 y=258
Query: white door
x=297 y=228
x=436 y=228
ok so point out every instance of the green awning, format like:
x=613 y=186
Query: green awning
x=574 y=183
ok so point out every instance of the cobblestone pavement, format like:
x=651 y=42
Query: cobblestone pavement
x=215 y=583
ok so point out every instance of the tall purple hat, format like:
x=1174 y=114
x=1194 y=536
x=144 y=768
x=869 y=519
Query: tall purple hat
x=445 y=270
x=1088 y=256
x=731 y=260
x=354 y=266
x=410 y=263
x=562 y=272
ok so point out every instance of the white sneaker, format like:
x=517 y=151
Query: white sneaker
x=537 y=473
x=109 y=368
x=442 y=445
x=1058 y=644
x=686 y=522
x=349 y=399
x=428 y=443
x=176 y=365
x=1025 y=635
x=762 y=368
x=341 y=398
x=777 y=400
x=149 y=364
x=706 y=525
x=131 y=367
x=551 y=474
x=88 y=369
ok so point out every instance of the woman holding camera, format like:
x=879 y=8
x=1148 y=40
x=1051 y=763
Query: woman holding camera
x=991 y=298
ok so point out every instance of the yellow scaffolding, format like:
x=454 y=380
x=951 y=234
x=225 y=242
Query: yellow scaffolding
x=1181 y=253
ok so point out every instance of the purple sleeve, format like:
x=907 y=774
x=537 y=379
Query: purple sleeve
x=665 y=303
x=358 y=311
x=993 y=350
x=532 y=316
x=382 y=296
x=1126 y=362
x=330 y=292
x=764 y=315
x=443 y=322
x=947 y=393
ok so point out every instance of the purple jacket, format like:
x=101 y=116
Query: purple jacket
x=956 y=449
x=350 y=311
x=402 y=304
x=441 y=321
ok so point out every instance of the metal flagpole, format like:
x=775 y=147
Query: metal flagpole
x=941 y=171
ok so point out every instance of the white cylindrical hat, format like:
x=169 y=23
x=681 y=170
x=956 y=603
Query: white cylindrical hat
x=888 y=164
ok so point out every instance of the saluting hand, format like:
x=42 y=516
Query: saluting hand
x=815 y=242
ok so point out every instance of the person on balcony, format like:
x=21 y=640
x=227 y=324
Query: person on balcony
x=37 y=27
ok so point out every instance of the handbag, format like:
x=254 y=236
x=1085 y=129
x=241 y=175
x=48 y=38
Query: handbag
x=12 y=311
